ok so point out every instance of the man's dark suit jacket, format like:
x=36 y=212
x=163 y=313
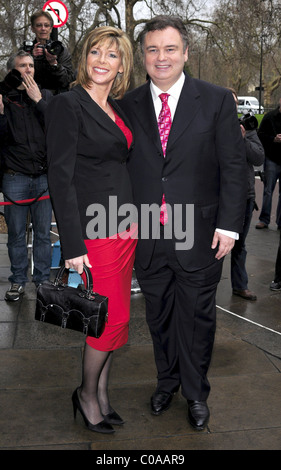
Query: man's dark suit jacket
x=205 y=164
x=87 y=155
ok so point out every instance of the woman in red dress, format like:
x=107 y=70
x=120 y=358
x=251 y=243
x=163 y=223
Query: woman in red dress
x=88 y=141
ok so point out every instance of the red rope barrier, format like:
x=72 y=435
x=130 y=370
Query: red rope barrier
x=24 y=201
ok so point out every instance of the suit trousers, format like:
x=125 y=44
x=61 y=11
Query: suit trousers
x=181 y=315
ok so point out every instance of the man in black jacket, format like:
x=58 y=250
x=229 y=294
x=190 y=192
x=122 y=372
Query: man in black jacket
x=52 y=61
x=188 y=158
x=276 y=284
x=23 y=152
x=270 y=135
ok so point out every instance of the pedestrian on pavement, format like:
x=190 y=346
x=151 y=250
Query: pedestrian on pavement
x=255 y=157
x=276 y=283
x=269 y=133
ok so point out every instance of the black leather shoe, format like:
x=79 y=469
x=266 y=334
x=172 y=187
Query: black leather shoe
x=160 y=402
x=198 y=414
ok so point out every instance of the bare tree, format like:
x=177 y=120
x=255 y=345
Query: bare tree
x=244 y=46
x=225 y=46
x=87 y=14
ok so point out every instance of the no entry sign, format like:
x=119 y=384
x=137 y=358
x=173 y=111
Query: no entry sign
x=58 y=11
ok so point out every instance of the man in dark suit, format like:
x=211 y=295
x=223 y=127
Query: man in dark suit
x=200 y=175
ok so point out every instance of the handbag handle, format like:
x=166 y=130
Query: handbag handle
x=89 y=278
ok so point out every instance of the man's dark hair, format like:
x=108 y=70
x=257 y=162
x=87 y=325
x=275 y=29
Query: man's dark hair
x=20 y=53
x=162 y=22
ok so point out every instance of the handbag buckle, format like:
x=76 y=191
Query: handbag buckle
x=64 y=319
x=86 y=322
x=90 y=295
x=87 y=294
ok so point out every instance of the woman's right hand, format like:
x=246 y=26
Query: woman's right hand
x=38 y=51
x=77 y=263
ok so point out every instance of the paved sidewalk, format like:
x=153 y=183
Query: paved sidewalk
x=40 y=366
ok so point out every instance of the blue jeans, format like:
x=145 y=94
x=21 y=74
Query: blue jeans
x=272 y=172
x=19 y=187
x=239 y=276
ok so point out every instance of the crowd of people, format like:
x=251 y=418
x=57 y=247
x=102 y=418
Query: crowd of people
x=75 y=142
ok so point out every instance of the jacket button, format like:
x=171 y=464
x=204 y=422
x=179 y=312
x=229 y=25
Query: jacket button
x=164 y=179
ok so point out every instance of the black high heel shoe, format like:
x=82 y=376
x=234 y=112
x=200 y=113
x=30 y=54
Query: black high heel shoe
x=102 y=427
x=113 y=418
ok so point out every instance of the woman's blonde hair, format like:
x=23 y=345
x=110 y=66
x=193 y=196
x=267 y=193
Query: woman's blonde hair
x=120 y=39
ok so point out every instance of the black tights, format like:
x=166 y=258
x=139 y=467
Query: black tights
x=94 y=389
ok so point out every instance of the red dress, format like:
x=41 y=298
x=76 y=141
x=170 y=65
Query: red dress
x=112 y=261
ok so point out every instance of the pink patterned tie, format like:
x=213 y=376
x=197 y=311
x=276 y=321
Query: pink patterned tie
x=164 y=126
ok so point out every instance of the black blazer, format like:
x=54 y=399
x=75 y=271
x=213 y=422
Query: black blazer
x=87 y=155
x=205 y=166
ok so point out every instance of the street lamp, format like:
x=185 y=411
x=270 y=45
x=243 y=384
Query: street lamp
x=261 y=60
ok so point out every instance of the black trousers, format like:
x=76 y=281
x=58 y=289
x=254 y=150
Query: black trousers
x=181 y=315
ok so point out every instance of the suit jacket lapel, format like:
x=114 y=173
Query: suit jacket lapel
x=187 y=107
x=145 y=113
x=120 y=113
x=99 y=115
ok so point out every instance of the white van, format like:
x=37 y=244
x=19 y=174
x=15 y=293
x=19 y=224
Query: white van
x=249 y=103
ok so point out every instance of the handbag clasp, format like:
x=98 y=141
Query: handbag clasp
x=86 y=322
x=64 y=319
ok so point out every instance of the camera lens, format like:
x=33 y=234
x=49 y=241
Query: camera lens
x=54 y=47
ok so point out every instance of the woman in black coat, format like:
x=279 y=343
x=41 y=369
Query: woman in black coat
x=88 y=140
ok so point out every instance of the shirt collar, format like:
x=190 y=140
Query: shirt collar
x=174 y=91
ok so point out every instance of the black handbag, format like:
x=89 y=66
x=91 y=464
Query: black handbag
x=77 y=308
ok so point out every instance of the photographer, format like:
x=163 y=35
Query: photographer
x=52 y=61
x=255 y=157
x=23 y=151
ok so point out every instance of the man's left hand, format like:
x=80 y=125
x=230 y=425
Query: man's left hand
x=32 y=88
x=224 y=243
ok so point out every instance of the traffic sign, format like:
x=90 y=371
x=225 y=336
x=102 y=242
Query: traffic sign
x=58 y=11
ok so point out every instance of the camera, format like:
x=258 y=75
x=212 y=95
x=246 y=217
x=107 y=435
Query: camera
x=249 y=121
x=11 y=82
x=27 y=46
x=8 y=87
x=53 y=47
